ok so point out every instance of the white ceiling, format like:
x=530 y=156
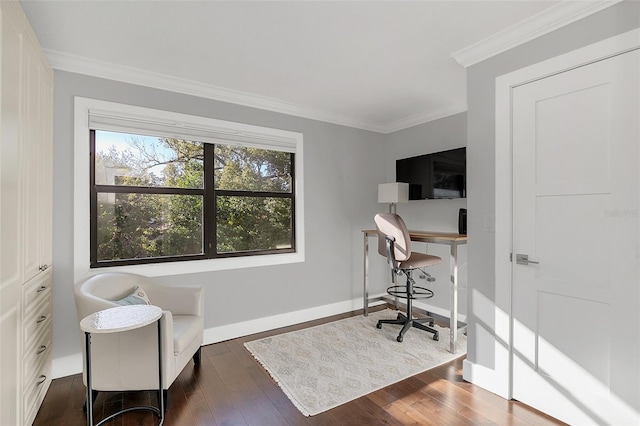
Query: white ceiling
x=379 y=65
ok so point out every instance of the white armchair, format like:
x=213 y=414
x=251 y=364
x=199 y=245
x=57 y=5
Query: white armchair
x=129 y=360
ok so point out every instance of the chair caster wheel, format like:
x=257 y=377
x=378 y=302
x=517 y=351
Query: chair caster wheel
x=399 y=339
x=378 y=326
x=436 y=337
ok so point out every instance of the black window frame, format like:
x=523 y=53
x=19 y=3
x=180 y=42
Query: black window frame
x=209 y=214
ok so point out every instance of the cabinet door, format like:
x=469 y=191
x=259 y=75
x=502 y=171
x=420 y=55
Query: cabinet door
x=9 y=154
x=10 y=235
x=46 y=171
x=30 y=153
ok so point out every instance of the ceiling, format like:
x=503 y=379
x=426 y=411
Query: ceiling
x=377 y=65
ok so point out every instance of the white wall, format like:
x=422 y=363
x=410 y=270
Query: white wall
x=342 y=169
x=485 y=348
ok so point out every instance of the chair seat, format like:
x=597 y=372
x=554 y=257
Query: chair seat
x=419 y=260
x=186 y=328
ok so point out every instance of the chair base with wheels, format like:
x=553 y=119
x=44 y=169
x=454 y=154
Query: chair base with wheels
x=410 y=293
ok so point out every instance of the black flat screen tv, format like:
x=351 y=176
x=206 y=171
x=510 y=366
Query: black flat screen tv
x=435 y=176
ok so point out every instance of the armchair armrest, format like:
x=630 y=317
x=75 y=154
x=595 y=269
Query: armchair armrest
x=168 y=370
x=91 y=304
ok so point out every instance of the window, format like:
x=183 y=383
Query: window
x=159 y=199
x=167 y=187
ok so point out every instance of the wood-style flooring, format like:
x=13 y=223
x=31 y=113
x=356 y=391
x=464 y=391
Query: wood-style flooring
x=231 y=388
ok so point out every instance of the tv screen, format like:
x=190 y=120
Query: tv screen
x=437 y=175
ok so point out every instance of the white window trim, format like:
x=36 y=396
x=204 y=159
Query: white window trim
x=81 y=237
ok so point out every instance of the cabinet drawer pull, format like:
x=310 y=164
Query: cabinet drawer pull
x=41 y=379
x=43 y=267
x=42 y=318
x=41 y=349
x=42 y=288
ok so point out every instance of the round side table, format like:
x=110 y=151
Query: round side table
x=116 y=320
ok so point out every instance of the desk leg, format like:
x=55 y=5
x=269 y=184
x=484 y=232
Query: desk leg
x=366 y=275
x=87 y=342
x=453 y=317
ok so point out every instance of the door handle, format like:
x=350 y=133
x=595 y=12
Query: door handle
x=523 y=259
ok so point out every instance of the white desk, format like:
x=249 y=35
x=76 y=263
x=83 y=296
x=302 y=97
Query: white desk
x=452 y=240
x=116 y=320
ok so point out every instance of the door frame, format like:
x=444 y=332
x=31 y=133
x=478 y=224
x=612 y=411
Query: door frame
x=505 y=84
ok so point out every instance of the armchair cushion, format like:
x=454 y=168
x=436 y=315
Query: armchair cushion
x=186 y=329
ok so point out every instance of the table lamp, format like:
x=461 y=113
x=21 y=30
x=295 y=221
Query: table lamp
x=393 y=193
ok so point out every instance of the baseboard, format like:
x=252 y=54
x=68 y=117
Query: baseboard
x=66 y=365
x=484 y=377
x=72 y=364
x=245 y=328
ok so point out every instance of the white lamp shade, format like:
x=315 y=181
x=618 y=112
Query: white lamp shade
x=395 y=192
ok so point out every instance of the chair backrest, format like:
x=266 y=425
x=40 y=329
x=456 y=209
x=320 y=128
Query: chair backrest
x=96 y=292
x=392 y=225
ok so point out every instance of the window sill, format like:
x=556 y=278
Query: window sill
x=208 y=265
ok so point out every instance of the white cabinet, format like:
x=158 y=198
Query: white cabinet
x=10 y=248
x=26 y=118
x=36 y=153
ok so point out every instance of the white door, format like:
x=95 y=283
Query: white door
x=576 y=321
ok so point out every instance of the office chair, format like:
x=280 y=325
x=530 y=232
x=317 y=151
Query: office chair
x=394 y=243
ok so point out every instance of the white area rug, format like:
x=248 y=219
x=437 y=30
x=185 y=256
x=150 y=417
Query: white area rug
x=325 y=366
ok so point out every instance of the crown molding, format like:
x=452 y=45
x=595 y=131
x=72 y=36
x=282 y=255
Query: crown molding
x=87 y=66
x=542 y=23
x=537 y=25
x=424 y=117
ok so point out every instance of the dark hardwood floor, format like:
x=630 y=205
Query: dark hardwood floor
x=231 y=388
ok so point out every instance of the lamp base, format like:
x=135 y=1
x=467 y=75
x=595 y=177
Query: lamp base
x=392 y=208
